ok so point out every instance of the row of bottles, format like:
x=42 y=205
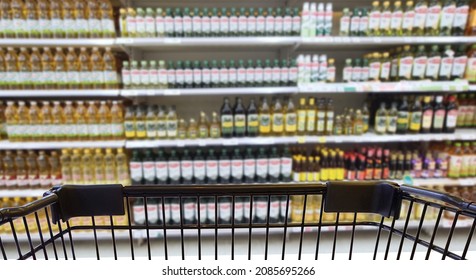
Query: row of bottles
x=421 y=116
x=315 y=68
x=206 y=74
x=410 y=63
x=30 y=169
x=142 y=121
x=57 y=19
x=59 y=69
x=205 y=22
x=94 y=166
x=423 y=18
x=211 y=166
x=316 y=19
x=67 y=121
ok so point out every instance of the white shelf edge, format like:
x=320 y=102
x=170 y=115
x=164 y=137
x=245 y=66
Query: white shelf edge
x=105 y=42
x=60 y=93
x=460 y=134
x=472 y=87
x=6 y=145
x=209 y=41
x=343 y=40
x=22 y=193
x=208 y=91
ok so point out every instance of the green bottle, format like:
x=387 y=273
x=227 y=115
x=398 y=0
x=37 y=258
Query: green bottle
x=276 y=76
x=433 y=18
x=268 y=74
x=188 y=74
x=270 y=22
x=242 y=22
x=250 y=74
x=261 y=22
x=215 y=74
x=232 y=74
x=226 y=119
x=171 y=80
x=215 y=23
x=223 y=74
x=252 y=120
x=239 y=118
x=206 y=74
x=179 y=75
x=178 y=23
x=197 y=74
x=241 y=74
x=419 y=63
x=187 y=22
x=355 y=23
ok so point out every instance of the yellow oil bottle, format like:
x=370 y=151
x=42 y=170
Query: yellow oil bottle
x=117 y=120
x=36 y=69
x=24 y=68
x=72 y=64
x=66 y=171
x=46 y=130
x=110 y=167
x=82 y=23
x=94 y=19
x=97 y=69
x=44 y=17
x=88 y=168
x=60 y=69
x=80 y=116
x=122 y=168
x=57 y=122
x=11 y=117
x=69 y=19
x=48 y=66
x=99 y=170
x=17 y=10
x=107 y=19
x=104 y=117
x=57 y=25
x=84 y=68
x=11 y=67
x=55 y=169
x=35 y=122
x=93 y=121
x=69 y=127
x=23 y=122
x=22 y=175
x=44 y=170
x=110 y=70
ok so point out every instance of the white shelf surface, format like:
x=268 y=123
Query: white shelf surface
x=472 y=87
x=61 y=93
x=403 y=86
x=6 y=145
x=459 y=135
x=352 y=42
x=80 y=42
x=208 y=91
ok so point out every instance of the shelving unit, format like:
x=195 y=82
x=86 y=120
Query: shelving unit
x=60 y=93
x=86 y=42
x=6 y=145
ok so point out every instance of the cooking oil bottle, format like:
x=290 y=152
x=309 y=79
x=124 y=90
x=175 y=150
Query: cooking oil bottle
x=107 y=19
x=11 y=63
x=69 y=19
x=88 y=168
x=33 y=172
x=117 y=120
x=9 y=168
x=76 y=167
x=110 y=166
x=93 y=120
x=58 y=130
x=172 y=123
x=36 y=69
x=35 y=122
x=277 y=126
x=97 y=69
x=3 y=70
x=72 y=64
x=22 y=176
x=46 y=130
x=18 y=18
x=55 y=168
x=69 y=127
x=24 y=68
x=85 y=68
x=48 y=66
x=32 y=21
x=57 y=24
x=94 y=19
x=44 y=170
x=23 y=122
x=66 y=171
x=141 y=131
x=80 y=116
x=99 y=167
x=60 y=69
x=123 y=22
x=122 y=168
x=161 y=123
x=110 y=70
x=104 y=116
x=82 y=23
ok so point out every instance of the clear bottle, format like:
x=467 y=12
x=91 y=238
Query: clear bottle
x=107 y=19
x=433 y=18
x=345 y=23
x=117 y=120
x=23 y=122
x=82 y=121
x=150 y=23
x=85 y=70
x=421 y=11
x=381 y=119
x=82 y=23
x=110 y=70
x=93 y=121
x=44 y=170
x=140 y=23
x=11 y=67
x=385 y=19
x=24 y=68
x=10 y=172
x=46 y=129
x=69 y=19
x=57 y=23
x=99 y=167
x=58 y=131
x=105 y=120
x=392 y=119
x=66 y=166
x=447 y=17
x=76 y=167
x=397 y=18
x=122 y=168
x=172 y=123
x=215 y=129
x=151 y=121
x=73 y=68
x=60 y=74
x=408 y=19
x=88 y=167
x=69 y=126
x=97 y=69
x=355 y=22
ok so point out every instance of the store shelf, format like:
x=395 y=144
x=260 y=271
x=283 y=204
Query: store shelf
x=390 y=87
x=6 y=145
x=460 y=135
x=472 y=87
x=60 y=93
x=209 y=42
x=84 y=42
x=22 y=193
x=209 y=91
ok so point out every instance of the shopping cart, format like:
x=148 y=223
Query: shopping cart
x=240 y=221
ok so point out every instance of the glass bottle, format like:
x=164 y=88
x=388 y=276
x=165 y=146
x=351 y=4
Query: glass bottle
x=415 y=116
x=381 y=119
x=252 y=121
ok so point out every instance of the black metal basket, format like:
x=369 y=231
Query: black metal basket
x=267 y=221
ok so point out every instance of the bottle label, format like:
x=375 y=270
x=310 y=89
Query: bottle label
x=196 y=25
x=241 y=75
x=240 y=123
x=321 y=121
x=110 y=77
x=252 y=123
x=311 y=119
x=189 y=209
x=446 y=65
x=237 y=169
x=215 y=24
x=93 y=130
x=408 y=20
x=250 y=168
x=153 y=77
x=264 y=123
x=291 y=122
x=116 y=128
x=169 y=24
x=187 y=169
x=251 y=24
x=187 y=24
x=140 y=25
x=439 y=119
x=149 y=171
x=188 y=76
x=45 y=25
x=215 y=76
x=232 y=76
x=172 y=128
x=136 y=171
x=174 y=170
x=243 y=23
x=223 y=74
x=135 y=77
x=344 y=24
x=224 y=169
x=227 y=121
x=274 y=167
x=151 y=129
x=287 y=24
x=233 y=24
x=278 y=124
x=415 y=122
x=433 y=17
x=178 y=25
x=461 y=17
x=347 y=74
x=224 y=208
x=420 y=17
x=199 y=169
x=212 y=169
x=250 y=75
x=447 y=16
x=451 y=118
x=455 y=166
x=179 y=77
x=269 y=24
x=206 y=25
x=380 y=124
x=161 y=128
x=385 y=20
x=419 y=67
x=433 y=66
x=356 y=71
x=405 y=67
x=293 y=74
x=385 y=71
x=355 y=24
x=107 y=25
x=262 y=167
x=364 y=24
x=286 y=167
x=297 y=24
x=374 y=20
x=459 y=65
x=374 y=71
x=396 y=21
x=139 y=214
x=206 y=76
x=275 y=76
x=160 y=24
x=427 y=119
x=197 y=76
x=224 y=24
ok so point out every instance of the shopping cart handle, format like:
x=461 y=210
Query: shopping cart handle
x=87 y=201
x=382 y=198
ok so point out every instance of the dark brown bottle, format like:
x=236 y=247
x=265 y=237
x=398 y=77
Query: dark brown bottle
x=451 y=115
x=427 y=115
x=439 y=113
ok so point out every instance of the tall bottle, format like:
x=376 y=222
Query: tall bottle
x=252 y=120
x=374 y=19
x=433 y=63
x=69 y=126
x=381 y=120
x=439 y=113
x=290 y=123
x=311 y=117
x=447 y=17
x=408 y=19
x=421 y=11
x=57 y=119
x=427 y=115
x=24 y=68
x=397 y=19
x=82 y=22
x=385 y=19
x=93 y=121
x=110 y=70
x=226 y=119
x=264 y=118
x=85 y=70
x=415 y=116
x=461 y=18
x=117 y=120
x=433 y=18
x=97 y=69
x=451 y=115
x=172 y=123
x=277 y=120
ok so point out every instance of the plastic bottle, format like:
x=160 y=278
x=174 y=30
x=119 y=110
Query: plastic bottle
x=82 y=23
x=57 y=23
x=24 y=132
x=85 y=70
x=11 y=69
x=46 y=128
x=24 y=68
x=44 y=170
x=110 y=70
x=97 y=69
x=105 y=120
x=66 y=167
x=93 y=121
x=60 y=70
x=433 y=18
x=408 y=19
x=172 y=123
x=69 y=126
